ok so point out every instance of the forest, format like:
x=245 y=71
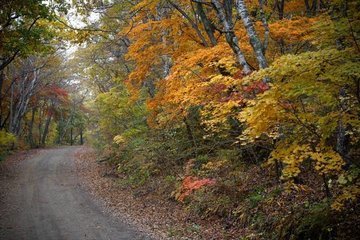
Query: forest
x=244 y=112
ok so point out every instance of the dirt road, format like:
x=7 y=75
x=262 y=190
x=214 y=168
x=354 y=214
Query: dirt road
x=43 y=199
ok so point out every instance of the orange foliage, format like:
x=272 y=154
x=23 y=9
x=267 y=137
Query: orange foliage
x=294 y=6
x=190 y=184
x=199 y=76
x=292 y=30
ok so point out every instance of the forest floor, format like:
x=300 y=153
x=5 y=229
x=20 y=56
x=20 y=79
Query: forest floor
x=42 y=197
x=158 y=216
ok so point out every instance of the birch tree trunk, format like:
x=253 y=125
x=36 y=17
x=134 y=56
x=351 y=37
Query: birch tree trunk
x=250 y=29
x=231 y=38
x=26 y=91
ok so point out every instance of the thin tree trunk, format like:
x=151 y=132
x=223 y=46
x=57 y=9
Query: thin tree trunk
x=308 y=8
x=31 y=126
x=2 y=78
x=71 y=136
x=341 y=129
x=250 y=29
x=231 y=38
x=326 y=187
x=11 y=107
x=266 y=27
x=228 y=7
x=191 y=137
x=209 y=28
x=8 y=60
x=315 y=7
x=40 y=127
x=192 y=23
x=19 y=110
x=46 y=130
x=81 y=137
x=280 y=7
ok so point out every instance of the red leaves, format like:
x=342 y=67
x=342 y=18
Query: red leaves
x=262 y=87
x=190 y=184
x=257 y=87
x=215 y=89
x=239 y=75
x=55 y=91
x=288 y=105
x=234 y=96
x=58 y=91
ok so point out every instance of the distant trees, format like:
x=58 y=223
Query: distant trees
x=33 y=81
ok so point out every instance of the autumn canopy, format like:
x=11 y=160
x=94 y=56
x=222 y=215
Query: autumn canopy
x=241 y=110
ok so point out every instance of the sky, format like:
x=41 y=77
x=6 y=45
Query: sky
x=77 y=21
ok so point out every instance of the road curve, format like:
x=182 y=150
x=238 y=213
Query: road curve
x=44 y=201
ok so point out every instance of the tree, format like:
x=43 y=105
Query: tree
x=259 y=98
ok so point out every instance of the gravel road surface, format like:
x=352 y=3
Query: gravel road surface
x=42 y=199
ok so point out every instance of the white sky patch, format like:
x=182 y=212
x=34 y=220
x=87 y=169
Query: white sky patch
x=78 y=21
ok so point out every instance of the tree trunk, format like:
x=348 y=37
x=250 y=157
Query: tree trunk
x=40 y=127
x=31 y=126
x=280 y=7
x=11 y=107
x=46 y=130
x=2 y=79
x=228 y=7
x=26 y=90
x=191 y=137
x=231 y=38
x=266 y=27
x=250 y=29
x=8 y=60
x=71 y=136
x=308 y=8
x=81 y=137
x=341 y=139
x=192 y=23
x=209 y=28
x=315 y=7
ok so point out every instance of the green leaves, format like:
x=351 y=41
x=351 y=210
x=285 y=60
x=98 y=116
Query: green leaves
x=25 y=28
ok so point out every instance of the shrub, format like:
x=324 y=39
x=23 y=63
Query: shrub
x=6 y=141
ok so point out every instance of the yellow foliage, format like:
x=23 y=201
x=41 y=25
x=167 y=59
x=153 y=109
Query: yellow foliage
x=327 y=161
x=349 y=193
x=6 y=138
x=292 y=156
x=118 y=139
x=214 y=165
